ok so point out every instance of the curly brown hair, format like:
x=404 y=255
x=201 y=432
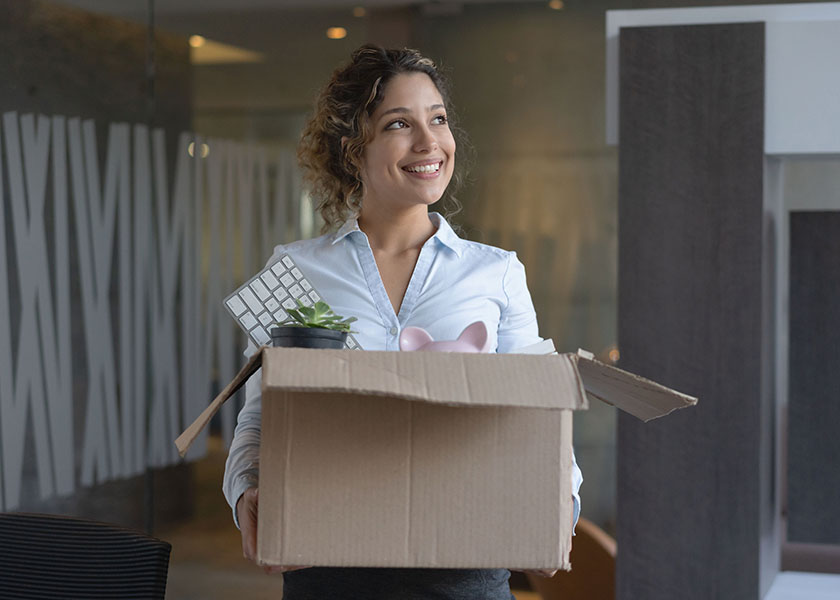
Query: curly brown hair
x=331 y=170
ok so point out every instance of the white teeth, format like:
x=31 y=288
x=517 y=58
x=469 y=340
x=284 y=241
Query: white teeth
x=433 y=168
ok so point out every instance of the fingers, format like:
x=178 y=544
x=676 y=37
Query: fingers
x=279 y=569
x=246 y=509
x=546 y=572
x=541 y=572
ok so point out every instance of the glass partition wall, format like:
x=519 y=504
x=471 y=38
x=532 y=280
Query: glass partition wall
x=155 y=142
x=83 y=95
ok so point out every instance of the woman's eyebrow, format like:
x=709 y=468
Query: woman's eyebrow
x=404 y=110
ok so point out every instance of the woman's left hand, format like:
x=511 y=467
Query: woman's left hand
x=541 y=572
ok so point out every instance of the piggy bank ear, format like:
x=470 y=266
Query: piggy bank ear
x=414 y=338
x=476 y=336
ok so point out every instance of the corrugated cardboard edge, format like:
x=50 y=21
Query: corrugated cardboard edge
x=453 y=379
x=633 y=394
x=186 y=439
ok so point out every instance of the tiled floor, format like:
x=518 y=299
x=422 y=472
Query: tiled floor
x=206 y=561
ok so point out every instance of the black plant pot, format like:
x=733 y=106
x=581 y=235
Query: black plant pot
x=307 y=337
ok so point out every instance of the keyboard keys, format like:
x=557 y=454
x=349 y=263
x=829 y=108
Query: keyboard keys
x=236 y=305
x=270 y=280
x=248 y=321
x=278 y=269
x=251 y=300
x=259 y=287
x=260 y=336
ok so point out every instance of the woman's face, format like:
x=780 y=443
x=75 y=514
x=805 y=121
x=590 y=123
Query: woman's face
x=411 y=157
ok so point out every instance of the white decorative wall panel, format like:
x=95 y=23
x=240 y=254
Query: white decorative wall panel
x=121 y=270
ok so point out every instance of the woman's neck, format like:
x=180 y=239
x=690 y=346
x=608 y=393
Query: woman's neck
x=396 y=232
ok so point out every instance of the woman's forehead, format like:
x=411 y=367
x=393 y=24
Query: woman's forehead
x=412 y=91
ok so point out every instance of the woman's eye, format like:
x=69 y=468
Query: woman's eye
x=398 y=124
x=441 y=120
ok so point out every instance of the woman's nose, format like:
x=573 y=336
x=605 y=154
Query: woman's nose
x=426 y=141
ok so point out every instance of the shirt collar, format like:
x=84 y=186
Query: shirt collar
x=350 y=225
x=444 y=234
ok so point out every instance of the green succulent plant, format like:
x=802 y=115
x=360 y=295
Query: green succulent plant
x=319 y=315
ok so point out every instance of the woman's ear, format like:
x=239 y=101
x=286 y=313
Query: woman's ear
x=414 y=338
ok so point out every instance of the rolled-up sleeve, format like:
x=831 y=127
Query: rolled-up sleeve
x=518 y=328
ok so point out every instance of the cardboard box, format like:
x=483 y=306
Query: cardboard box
x=424 y=459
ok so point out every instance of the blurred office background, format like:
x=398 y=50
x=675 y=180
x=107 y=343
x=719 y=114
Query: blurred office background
x=229 y=85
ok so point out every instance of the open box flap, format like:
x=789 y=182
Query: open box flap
x=642 y=398
x=186 y=439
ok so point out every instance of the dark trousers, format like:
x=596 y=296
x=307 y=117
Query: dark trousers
x=318 y=583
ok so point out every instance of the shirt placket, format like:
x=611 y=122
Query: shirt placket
x=392 y=322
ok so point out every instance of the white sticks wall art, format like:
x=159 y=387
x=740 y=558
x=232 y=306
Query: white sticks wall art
x=112 y=326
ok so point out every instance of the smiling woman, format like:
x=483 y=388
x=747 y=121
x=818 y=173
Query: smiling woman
x=347 y=120
x=377 y=153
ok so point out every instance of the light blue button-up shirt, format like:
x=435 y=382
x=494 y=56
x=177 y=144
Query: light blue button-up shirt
x=455 y=283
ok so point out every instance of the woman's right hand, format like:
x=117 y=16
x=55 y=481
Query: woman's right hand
x=247 y=508
x=246 y=511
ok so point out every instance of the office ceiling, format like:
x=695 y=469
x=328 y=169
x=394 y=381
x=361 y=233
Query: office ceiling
x=138 y=8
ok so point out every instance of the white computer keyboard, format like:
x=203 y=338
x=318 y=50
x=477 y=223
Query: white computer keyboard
x=262 y=301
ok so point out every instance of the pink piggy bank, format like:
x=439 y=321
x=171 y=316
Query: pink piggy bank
x=473 y=339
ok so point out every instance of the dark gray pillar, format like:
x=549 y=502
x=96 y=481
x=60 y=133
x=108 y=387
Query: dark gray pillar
x=691 y=303
x=813 y=406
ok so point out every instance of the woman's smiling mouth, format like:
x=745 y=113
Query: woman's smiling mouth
x=427 y=169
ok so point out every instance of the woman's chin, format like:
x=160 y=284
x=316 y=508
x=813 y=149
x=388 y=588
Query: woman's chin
x=430 y=198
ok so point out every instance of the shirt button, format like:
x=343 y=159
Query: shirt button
x=393 y=331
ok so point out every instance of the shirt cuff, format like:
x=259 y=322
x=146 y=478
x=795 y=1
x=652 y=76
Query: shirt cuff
x=240 y=487
x=576 y=500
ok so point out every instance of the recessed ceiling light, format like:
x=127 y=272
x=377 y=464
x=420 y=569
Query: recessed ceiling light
x=556 y=4
x=197 y=41
x=359 y=11
x=336 y=33
x=211 y=53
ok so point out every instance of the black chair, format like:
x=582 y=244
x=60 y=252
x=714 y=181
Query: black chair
x=47 y=556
